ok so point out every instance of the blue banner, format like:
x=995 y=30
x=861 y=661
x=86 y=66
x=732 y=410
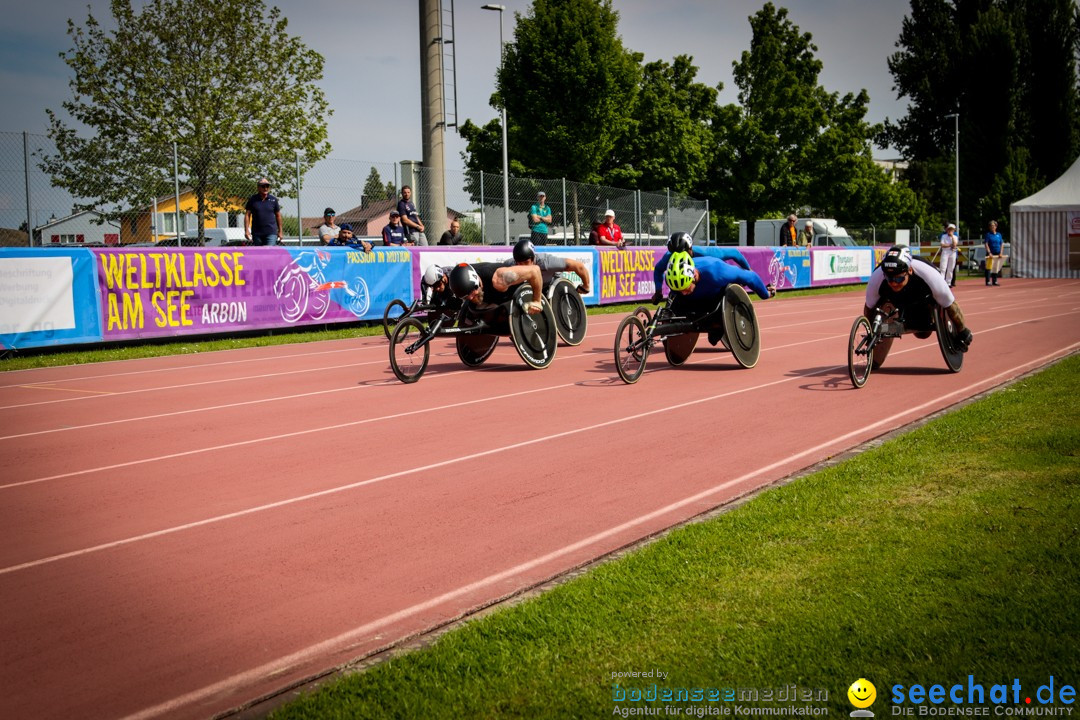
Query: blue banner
x=48 y=297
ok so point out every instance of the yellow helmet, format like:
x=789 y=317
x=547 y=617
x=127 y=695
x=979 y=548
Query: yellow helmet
x=680 y=271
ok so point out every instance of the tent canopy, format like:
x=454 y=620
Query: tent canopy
x=1062 y=194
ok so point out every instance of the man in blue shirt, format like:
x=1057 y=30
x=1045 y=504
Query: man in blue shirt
x=394 y=233
x=698 y=286
x=993 y=242
x=410 y=218
x=262 y=216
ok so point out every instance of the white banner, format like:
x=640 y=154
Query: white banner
x=842 y=264
x=36 y=294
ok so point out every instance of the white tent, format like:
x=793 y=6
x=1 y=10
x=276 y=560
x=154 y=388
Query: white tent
x=1046 y=229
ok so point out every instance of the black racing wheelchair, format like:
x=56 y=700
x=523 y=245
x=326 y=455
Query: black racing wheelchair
x=476 y=333
x=397 y=310
x=571 y=318
x=870 y=340
x=640 y=331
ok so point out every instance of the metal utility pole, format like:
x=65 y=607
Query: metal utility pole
x=506 y=165
x=956 y=119
x=432 y=197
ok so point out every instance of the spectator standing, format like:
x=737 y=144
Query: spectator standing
x=789 y=234
x=410 y=219
x=346 y=237
x=806 y=237
x=453 y=235
x=609 y=233
x=950 y=244
x=394 y=233
x=262 y=216
x=994 y=244
x=540 y=218
x=328 y=231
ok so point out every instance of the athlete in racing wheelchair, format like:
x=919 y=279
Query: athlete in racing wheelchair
x=905 y=295
x=496 y=301
x=435 y=297
x=706 y=295
x=571 y=319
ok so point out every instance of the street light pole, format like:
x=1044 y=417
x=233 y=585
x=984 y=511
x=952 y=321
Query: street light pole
x=506 y=163
x=956 y=119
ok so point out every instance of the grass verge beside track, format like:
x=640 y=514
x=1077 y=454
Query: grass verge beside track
x=949 y=551
x=48 y=357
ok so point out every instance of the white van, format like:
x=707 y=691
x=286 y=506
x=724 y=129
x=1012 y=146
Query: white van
x=216 y=237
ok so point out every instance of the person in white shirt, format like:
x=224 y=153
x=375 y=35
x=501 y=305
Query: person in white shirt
x=950 y=246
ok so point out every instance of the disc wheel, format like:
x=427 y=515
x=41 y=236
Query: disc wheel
x=571 y=319
x=534 y=336
x=946 y=338
x=392 y=315
x=859 y=353
x=677 y=348
x=631 y=350
x=741 y=330
x=408 y=363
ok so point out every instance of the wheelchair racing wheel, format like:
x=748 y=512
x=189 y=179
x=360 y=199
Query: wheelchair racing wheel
x=392 y=315
x=571 y=320
x=741 y=331
x=408 y=363
x=946 y=337
x=534 y=336
x=859 y=353
x=631 y=350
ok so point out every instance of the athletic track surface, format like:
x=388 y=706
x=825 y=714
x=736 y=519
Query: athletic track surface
x=182 y=535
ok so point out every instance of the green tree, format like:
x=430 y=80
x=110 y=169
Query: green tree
x=374 y=190
x=223 y=80
x=1009 y=67
x=668 y=141
x=764 y=147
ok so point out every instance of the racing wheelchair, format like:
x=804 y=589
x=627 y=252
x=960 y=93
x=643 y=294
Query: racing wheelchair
x=640 y=331
x=571 y=319
x=870 y=340
x=397 y=310
x=476 y=333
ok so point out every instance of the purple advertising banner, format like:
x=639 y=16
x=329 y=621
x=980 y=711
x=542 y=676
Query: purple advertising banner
x=200 y=291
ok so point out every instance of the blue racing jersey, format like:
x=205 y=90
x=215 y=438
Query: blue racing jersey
x=723 y=253
x=716 y=275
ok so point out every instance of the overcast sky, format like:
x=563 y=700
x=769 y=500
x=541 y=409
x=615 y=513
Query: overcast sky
x=372 y=53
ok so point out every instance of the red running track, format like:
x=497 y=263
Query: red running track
x=183 y=535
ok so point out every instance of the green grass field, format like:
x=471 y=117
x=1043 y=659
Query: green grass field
x=945 y=552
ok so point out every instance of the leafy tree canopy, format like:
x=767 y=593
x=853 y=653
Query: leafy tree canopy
x=223 y=80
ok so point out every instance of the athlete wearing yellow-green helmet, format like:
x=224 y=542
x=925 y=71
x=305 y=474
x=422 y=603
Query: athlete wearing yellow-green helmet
x=680 y=272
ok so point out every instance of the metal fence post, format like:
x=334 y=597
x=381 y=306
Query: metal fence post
x=667 y=216
x=26 y=175
x=483 y=212
x=176 y=189
x=565 y=227
x=708 y=225
x=299 y=216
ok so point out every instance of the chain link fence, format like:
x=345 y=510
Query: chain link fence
x=171 y=198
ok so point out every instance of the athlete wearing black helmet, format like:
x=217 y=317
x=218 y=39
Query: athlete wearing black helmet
x=488 y=284
x=550 y=265
x=683 y=242
x=915 y=287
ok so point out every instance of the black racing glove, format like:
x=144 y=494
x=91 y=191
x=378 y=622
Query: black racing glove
x=963 y=340
x=657 y=298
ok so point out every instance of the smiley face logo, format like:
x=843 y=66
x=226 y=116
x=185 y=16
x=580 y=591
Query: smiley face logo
x=862 y=693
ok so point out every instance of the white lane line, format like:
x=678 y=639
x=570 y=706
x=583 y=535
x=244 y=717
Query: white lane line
x=471 y=456
x=288 y=662
x=332 y=427
x=315 y=393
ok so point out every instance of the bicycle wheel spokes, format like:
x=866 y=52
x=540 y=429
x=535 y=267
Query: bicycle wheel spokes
x=409 y=362
x=392 y=315
x=860 y=352
x=631 y=349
